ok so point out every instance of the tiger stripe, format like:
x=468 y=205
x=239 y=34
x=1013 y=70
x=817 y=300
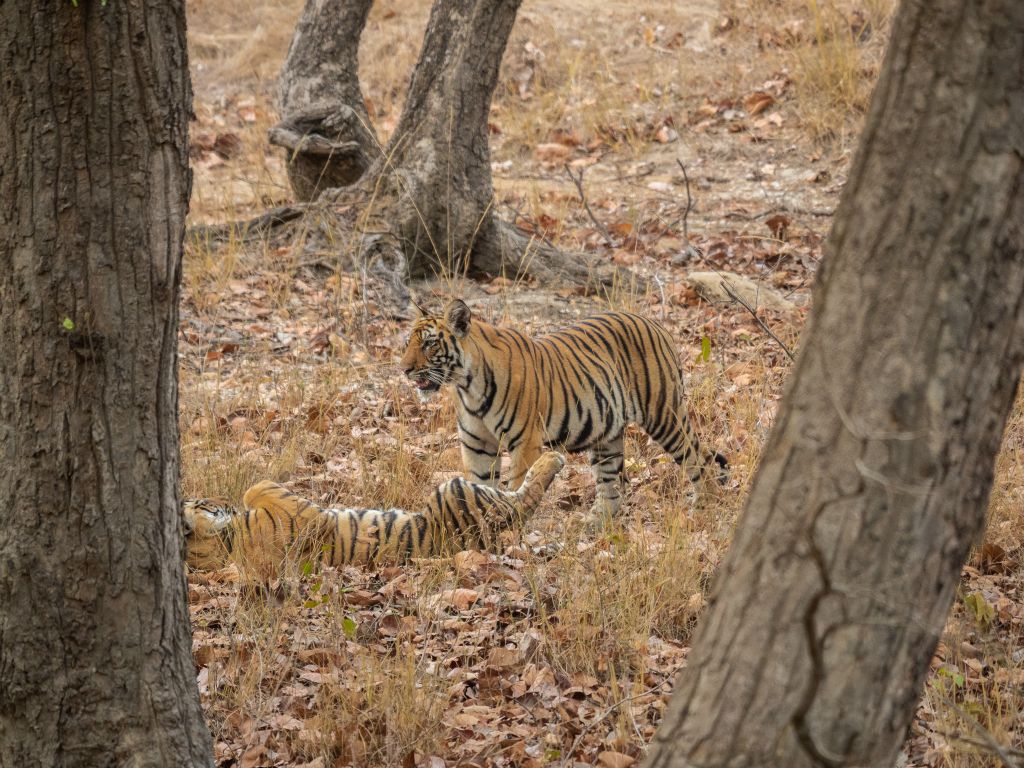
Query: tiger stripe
x=275 y=524
x=575 y=389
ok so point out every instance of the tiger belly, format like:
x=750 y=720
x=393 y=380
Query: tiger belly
x=361 y=536
x=577 y=426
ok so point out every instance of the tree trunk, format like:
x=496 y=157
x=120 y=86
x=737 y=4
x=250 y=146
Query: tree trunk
x=425 y=203
x=325 y=127
x=95 y=649
x=874 y=482
x=437 y=165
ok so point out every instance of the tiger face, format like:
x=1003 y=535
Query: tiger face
x=433 y=357
x=205 y=522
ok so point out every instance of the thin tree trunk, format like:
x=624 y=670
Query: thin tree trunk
x=95 y=648
x=325 y=127
x=875 y=480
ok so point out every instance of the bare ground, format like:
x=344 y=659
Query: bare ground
x=563 y=651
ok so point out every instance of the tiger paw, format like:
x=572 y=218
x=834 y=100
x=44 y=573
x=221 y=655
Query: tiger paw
x=601 y=514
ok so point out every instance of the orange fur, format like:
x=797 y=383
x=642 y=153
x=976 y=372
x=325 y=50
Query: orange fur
x=574 y=389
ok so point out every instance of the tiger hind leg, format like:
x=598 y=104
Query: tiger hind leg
x=606 y=464
x=677 y=437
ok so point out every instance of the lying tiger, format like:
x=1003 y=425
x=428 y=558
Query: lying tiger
x=276 y=524
x=575 y=389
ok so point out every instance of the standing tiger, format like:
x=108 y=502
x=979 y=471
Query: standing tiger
x=576 y=388
x=276 y=524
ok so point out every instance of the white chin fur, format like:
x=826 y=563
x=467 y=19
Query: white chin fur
x=426 y=395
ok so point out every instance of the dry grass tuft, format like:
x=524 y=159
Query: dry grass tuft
x=837 y=64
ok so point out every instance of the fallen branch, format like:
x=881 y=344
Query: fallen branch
x=578 y=181
x=732 y=295
x=311 y=143
x=824 y=212
x=689 y=202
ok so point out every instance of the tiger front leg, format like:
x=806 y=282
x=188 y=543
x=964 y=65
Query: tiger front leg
x=606 y=463
x=522 y=458
x=480 y=460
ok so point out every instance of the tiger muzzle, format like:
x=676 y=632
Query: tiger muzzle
x=422 y=381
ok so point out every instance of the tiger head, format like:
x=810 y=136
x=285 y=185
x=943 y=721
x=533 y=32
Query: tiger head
x=207 y=526
x=434 y=354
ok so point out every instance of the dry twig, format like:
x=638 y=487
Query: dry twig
x=604 y=716
x=255 y=227
x=689 y=202
x=732 y=295
x=691 y=251
x=991 y=743
x=578 y=181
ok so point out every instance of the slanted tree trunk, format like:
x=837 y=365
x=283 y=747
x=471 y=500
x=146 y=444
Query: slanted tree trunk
x=95 y=649
x=325 y=128
x=874 y=483
x=424 y=204
x=437 y=166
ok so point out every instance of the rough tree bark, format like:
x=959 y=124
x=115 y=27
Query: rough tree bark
x=325 y=128
x=425 y=202
x=873 y=485
x=95 y=649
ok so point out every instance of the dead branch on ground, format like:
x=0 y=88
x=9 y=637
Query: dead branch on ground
x=753 y=313
x=578 y=181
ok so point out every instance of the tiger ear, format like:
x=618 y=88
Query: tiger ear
x=422 y=312
x=458 y=316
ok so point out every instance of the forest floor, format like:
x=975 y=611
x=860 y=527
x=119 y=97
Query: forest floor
x=725 y=125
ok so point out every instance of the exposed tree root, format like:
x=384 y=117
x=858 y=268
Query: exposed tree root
x=247 y=229
x=375 y=237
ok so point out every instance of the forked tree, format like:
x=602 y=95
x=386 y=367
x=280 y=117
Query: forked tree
x=873 y=485
x=425 y=201
x=95 y=651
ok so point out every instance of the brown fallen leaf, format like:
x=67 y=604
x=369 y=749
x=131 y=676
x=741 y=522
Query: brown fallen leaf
x=552 y=152
x=469 y=561
x=1009 y=677
x=611 y=759
x=758 y=102
x=778 y=225
x=227 y=145
x=363 y=597
x=254 y=757
x=204 y=654
x=200 y=142
x=569 y=138
x=460 y=598
x=503 y=658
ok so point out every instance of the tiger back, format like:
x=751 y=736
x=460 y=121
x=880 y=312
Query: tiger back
x=574 y=389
